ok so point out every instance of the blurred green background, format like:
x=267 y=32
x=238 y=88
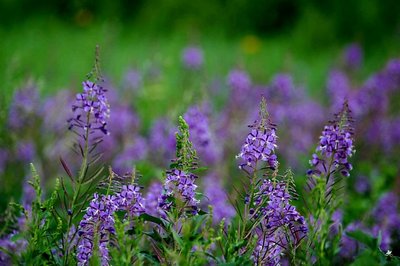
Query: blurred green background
x=52 y=42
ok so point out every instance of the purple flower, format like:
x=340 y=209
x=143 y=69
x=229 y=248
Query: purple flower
x=133 y=79
x=25 y=106
x=181 y=186
x=387 y=218
x=338 y=87
x=201 y=136
x=130 y=200
x=362 y=184
x=97 y=223
x=259 y=146
x=192 y=57
x=151 y=199
x=349 y=247
x=239 y=81
x=353 y=56
x=13 y=246
x=132 y=153
x=162 y=140
x=25 y=151
x=91 y=109
x=280 y=222
x=56 y=114
x=335 y=146
x=218 y=199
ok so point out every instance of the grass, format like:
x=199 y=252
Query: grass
x=56 y=55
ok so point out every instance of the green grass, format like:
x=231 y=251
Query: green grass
x=56 y=55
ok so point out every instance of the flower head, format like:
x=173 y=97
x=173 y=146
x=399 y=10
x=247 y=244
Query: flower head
x=91 y=108
x=192 y=57
x=260 y=143
x=97 y=223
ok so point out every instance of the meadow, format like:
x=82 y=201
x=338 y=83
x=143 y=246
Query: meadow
x=119 y=147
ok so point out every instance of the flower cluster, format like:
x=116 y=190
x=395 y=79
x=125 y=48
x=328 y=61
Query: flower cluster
x=281 y=222
x=182 y=185
x=192 y=57
x=259 y=146
x=336 y=145
x=201 y=136
x=218 y=199
x=97 y=224
x=91 y=108
x=130 y=200
x=151 y=199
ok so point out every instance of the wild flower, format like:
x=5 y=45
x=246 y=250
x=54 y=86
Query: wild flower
x=335 y=146
x=179 y=188
x=91 y=109
x=259 y=146
x=202 y=136
x=192 y=57
x=353 y=56
x=216 y=197
x=95 y=229
x=130 y=200
x=282 y=227
x=151 y=199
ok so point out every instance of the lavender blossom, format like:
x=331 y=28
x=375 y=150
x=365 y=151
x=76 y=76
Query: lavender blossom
x=130 y=200
x=280 y=223
x=25 y=106
x=335 y=146
x=97 y=224
x=180 y=185
x=162 y=140
x=192 y=57
x=201 y=136
x=133 y=79
x=91 y=109
x=259 y=146
x=218 y=199
x=132 y=153
x=387 y=218
x=349 y=247
x=239 y=81
x=25 y=151
x=353 y=56
x=151 y=199
x=12 y=246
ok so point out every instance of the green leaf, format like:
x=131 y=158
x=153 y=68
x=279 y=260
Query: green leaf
x=364 y=238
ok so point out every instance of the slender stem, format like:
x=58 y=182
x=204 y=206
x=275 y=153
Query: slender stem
x=78 y=184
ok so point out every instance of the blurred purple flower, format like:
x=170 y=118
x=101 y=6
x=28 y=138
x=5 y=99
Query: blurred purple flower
x=216 y=196
x=25 y=151
x=132 y=153
x=362 y=185
x=55 y=113
x=201 y=136
x=151 y=199
x=162 y=141
x=24 y=107
x=133 y=79
x=192 y=57
x=350 y=247
x=353 y=56
x=239 y=81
